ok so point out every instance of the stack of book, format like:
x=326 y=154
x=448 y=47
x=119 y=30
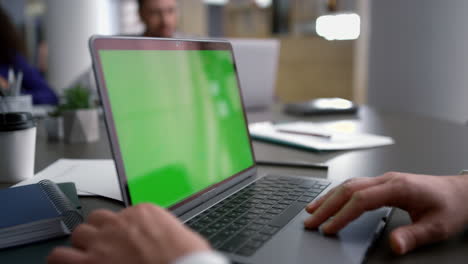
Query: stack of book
x=36 y=212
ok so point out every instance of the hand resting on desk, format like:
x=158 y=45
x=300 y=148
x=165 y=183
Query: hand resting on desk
x=140 y=234
x=436 y=205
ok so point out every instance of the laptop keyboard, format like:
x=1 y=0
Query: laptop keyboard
x=245 y=221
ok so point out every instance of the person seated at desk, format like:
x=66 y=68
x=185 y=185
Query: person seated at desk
x=11 y=50
x=149 y=234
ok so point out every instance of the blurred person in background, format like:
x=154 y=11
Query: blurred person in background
x=159 y=16
x=12 y=52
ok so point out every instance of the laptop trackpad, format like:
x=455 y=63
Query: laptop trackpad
x=294 y=244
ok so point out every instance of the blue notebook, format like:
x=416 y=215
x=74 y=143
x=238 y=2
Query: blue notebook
x=35 y=212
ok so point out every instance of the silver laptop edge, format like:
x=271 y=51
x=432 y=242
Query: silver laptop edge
x=113 y=136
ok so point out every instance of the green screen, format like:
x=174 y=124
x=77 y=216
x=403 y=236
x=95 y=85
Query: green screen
x=178 y=118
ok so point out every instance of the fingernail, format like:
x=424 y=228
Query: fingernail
x=402 y=248
x=309 y=221
x=310 y=206
x=326 y=227
x=320 y=229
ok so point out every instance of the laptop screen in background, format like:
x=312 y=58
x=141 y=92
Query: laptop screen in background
x=178 y=119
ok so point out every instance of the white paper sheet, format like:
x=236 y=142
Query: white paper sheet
x=344 y=140
x=91 y=177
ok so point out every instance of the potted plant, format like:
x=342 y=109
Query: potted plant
x=80 y=116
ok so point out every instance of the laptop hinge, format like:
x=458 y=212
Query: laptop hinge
x=233 y=183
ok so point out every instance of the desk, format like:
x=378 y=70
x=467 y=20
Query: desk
x=422 y=145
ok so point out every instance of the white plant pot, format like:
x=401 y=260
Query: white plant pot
x=81 y=126
x=54 y=128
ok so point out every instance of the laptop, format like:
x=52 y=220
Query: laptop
x=257 y=66
x=179 y=138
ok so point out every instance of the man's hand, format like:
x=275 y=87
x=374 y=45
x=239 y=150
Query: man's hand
x=438 y=206
x=140 y=234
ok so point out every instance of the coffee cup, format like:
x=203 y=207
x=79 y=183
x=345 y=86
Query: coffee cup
x=17 y=146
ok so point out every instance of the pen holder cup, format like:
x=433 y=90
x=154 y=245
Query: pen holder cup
x=20 y=103
x=18 y=146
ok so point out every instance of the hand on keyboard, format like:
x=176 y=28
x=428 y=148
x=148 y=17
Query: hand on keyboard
x=139 y=234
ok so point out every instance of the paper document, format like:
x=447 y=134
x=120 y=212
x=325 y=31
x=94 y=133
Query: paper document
x=318 y=137
x=91 y=176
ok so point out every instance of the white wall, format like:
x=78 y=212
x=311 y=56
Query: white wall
x=69 y=24
x=418 y=58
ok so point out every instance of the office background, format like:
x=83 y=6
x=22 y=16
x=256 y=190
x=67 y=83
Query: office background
x=410 y=55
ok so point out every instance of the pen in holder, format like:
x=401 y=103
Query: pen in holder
x=20 y=103
x=12 y=100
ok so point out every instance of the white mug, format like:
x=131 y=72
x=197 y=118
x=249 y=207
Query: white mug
x=17 y=146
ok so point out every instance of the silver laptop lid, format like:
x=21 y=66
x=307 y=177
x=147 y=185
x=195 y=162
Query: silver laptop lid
x=175 y=118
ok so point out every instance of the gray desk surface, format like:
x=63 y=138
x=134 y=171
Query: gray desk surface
x=423 y=145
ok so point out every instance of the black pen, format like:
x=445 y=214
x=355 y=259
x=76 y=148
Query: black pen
x=293 y=164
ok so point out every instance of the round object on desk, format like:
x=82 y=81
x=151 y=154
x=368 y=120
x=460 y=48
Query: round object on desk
x=321 y=106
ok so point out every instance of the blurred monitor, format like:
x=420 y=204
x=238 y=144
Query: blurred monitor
x=257 y=65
